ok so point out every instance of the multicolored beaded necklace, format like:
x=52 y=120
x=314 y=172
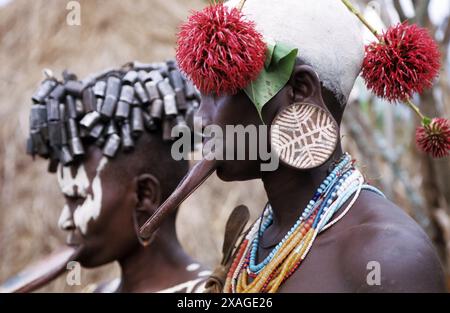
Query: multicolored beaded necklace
x=343 y=181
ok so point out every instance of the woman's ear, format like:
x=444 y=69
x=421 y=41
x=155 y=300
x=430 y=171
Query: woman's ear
x=148 y=192
x=305 y=84
x=304 y=134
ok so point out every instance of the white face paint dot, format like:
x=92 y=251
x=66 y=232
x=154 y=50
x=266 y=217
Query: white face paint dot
x=192 y=267
x=204 y=273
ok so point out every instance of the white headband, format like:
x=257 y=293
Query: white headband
x=328 y=36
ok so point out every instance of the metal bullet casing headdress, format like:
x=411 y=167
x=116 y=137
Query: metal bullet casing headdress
x=110 y=109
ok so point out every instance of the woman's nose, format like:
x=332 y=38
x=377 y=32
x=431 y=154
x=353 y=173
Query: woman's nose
x=65 y=221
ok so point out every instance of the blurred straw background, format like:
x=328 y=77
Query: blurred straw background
x=34 y=35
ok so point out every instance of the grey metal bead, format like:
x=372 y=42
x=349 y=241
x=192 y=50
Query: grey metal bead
x=54 y=133
x=111 y=128
x=130 y=77
x=100 y=88
x=44 y=131
x=143 y=66
x=180 y=99
x=170 y=106
x=176 y=79
x=58 y=92
x=65 y=156
x=141 y=93
x=122 y=110
x=74 y=88
x=156 y=111
x=72 y=128
x=38 y=116
x=99 y=104
x=64 y=135
x=89 y=100
x=76 y=146
x=112 y=96
x=53 y=110
x=62 y=112
x=43 y=90
x=38 y=143
x=137 y=122
x=127 y=94
x=152 y=90
x=112 y=145
x=127 y=140
x=71 y=107
x=156 y=76
x=144 y=76
x=97 y=130
x=90 y=119
x=165 y=89
x=79 y=106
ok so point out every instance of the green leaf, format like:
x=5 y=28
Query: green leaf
x=280 y=61
x=426 y=121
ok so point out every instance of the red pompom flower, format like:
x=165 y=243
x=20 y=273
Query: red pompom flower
x=219 y=50
x=405 y=61
x=434 y=138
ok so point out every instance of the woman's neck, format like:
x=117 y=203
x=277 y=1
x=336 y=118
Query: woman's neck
x=160 y=265
x=289 y=191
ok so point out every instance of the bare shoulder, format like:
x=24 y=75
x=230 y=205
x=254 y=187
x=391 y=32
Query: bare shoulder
x=387 y=251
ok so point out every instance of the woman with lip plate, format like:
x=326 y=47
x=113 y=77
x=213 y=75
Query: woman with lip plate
x=290 y=65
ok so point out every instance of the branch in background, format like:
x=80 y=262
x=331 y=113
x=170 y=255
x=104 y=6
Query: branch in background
x=400 y=11
x=443 y=221
x=371 y=144
x=446 y=40
x=421 y=8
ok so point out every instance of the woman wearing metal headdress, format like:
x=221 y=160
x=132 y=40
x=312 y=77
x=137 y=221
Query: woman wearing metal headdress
x=108 y=138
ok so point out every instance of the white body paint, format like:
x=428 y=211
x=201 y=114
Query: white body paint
x=69 y=183
x=64 y=221
x=91 y=207
x=192 y=267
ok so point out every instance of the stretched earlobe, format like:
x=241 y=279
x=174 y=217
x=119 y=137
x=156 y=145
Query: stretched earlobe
x=304 y=134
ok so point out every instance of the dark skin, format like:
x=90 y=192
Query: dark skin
x=134 y=185
x=374 y=229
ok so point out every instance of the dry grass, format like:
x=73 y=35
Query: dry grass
x=34 y=35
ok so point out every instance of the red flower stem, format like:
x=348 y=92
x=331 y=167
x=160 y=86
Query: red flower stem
x=241 y=5
x=352 y=9
x=360 y=16
x=415 y=109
